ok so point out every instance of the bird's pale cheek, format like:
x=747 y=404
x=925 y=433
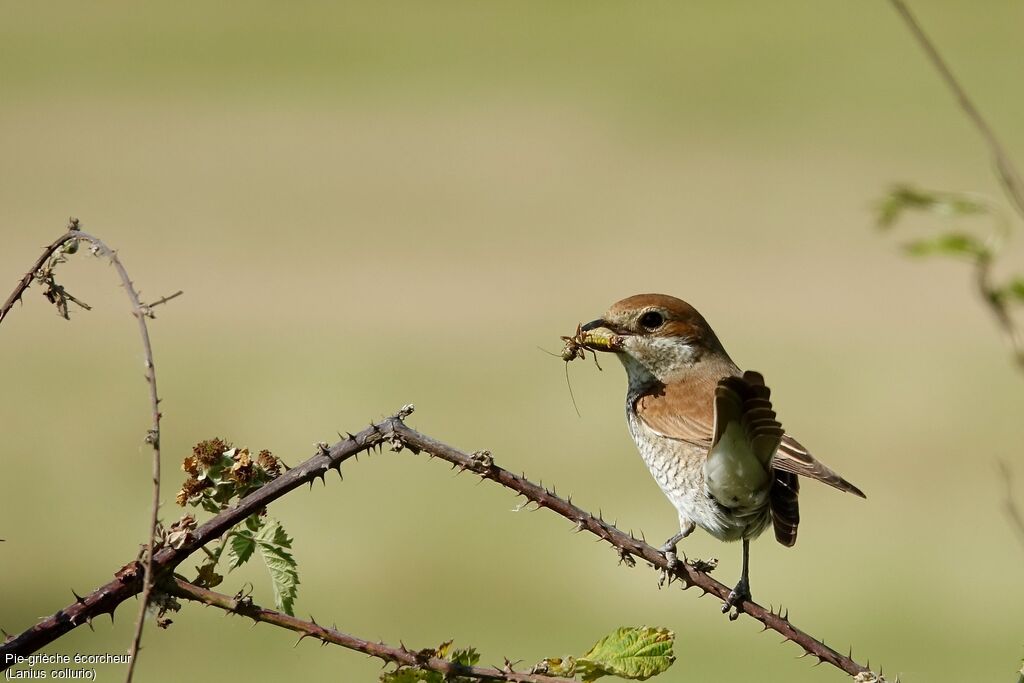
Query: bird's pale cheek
x=660 y=357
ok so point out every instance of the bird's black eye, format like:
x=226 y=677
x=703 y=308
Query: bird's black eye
x=651 y=320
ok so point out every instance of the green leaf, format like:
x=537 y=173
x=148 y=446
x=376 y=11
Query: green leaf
x=629 y=652
x=903 y=198
x=241 y=545
x=950 y=244
x=274 y=545
x=465 y=656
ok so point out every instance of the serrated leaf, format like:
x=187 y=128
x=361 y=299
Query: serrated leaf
x=241 y=545
x=274 y=544
x=636 y=653
x=950 y=244
x=467 y=656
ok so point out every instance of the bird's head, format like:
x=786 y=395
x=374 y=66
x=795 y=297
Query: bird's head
x=657 y=337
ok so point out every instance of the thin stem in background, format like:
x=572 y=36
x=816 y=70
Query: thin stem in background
x=1005 y=168
x=1006 y=171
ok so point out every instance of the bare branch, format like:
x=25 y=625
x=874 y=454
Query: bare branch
x=1005 y=169
x=395 y=433
x=148 y=308
x=398 y=655
x=27 y=278
x=74 y=235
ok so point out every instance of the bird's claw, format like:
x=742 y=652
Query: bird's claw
x=671 y=562
x=737 y=595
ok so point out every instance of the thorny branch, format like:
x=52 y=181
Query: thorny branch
x=394 y=432
x=128 y=580
x=141 y=312
x=310 y=629
x=27 y=278
x=1005 y=169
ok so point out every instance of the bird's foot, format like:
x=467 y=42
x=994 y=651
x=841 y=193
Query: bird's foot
x=671 y=562
x=737 y=595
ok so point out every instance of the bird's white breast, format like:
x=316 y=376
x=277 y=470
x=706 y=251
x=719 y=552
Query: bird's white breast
x=679 y=469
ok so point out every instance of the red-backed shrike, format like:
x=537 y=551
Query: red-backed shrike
x=706 y=430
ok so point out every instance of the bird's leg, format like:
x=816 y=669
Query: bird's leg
x=742 y=590
x=668 y=549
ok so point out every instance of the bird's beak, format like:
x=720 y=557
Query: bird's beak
x=598 y=335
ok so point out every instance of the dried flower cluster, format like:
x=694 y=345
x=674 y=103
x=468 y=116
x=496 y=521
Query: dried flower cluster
x=219 y=472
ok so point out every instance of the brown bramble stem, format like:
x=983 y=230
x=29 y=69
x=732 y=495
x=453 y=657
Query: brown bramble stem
x=26 y=279
x=140 y=312
x=629 y=547
x=394 y=432
x=310 y=629
x=128 y=580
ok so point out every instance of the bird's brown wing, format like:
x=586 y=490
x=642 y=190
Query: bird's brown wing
x=661 y=413
x=686 y=411
x=681 y=410
x=698 y=411
x=793 y=457
x=746 y=401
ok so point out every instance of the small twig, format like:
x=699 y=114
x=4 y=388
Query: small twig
x=153 y=436
x=27 y=278
x=162 y=300
x=1005 y=169
x=399 y=655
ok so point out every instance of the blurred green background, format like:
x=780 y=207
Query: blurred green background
x=369 y=204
